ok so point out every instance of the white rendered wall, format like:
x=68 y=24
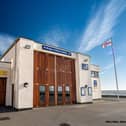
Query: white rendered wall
x=96 y=90
x=82 y=78
x=12 y=56
x=25 y=67
x=21 y=71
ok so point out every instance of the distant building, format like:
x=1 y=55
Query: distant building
x=34 y=75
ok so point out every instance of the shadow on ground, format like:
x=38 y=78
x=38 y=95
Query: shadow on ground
x=4 y=109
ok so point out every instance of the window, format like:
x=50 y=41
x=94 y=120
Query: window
x=60 y=89
x=42 y=89
x=67 y=89
x=42 y=94
x=84 y=66
x=51 y=88
x=89 y=91
x=82 y=91
x=94 y=74
x=95 y=83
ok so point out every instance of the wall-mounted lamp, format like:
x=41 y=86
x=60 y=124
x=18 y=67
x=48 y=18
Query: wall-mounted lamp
x=25 y=84
x=86 y=86
x=27 y=46
x=85 y=60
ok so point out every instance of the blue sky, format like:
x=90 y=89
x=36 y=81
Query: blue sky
x=78 y=25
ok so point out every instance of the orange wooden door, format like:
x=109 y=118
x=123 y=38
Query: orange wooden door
x=54 y=80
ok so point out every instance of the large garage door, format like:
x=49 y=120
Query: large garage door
x=54 y=80
x=2 y=90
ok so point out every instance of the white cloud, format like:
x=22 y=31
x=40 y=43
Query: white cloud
x=5 y=41
x=55 y=36
x=101 y=25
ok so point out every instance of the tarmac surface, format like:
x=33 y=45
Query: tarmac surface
x=100 y=113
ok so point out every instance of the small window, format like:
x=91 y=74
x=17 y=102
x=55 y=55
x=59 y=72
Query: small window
x=89 y=91
x=51 y=88
x=95 y=83
x=67 y=88
x=82 y=91
x=42 y=88
x=84 y=66
x=94 y=74
x=60 y=89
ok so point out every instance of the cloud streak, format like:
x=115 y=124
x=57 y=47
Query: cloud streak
x=101 y=25
x=55 y=37
x=110 y=66
x=5 y=41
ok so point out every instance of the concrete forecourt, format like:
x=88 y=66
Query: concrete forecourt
x=100 y=113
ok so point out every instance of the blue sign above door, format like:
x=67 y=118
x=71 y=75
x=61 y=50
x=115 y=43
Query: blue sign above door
x=56 y=50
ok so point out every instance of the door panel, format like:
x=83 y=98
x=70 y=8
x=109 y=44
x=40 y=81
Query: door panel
x=51 y=95
x=65 y=78
x=59 y=95
x=43 y=95
x=67 y=94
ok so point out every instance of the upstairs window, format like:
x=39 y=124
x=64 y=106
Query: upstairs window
x=84 y=66
x=94 y=74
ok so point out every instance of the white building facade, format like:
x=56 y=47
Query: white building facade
x=38 y=75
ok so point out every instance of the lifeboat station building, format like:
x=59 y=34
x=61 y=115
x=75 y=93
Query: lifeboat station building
x=34 y=75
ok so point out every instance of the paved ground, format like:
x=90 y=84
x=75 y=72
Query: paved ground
x=100 y=113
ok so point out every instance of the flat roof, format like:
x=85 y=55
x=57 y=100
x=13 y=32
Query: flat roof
x=44 y=43
x=95 y=65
